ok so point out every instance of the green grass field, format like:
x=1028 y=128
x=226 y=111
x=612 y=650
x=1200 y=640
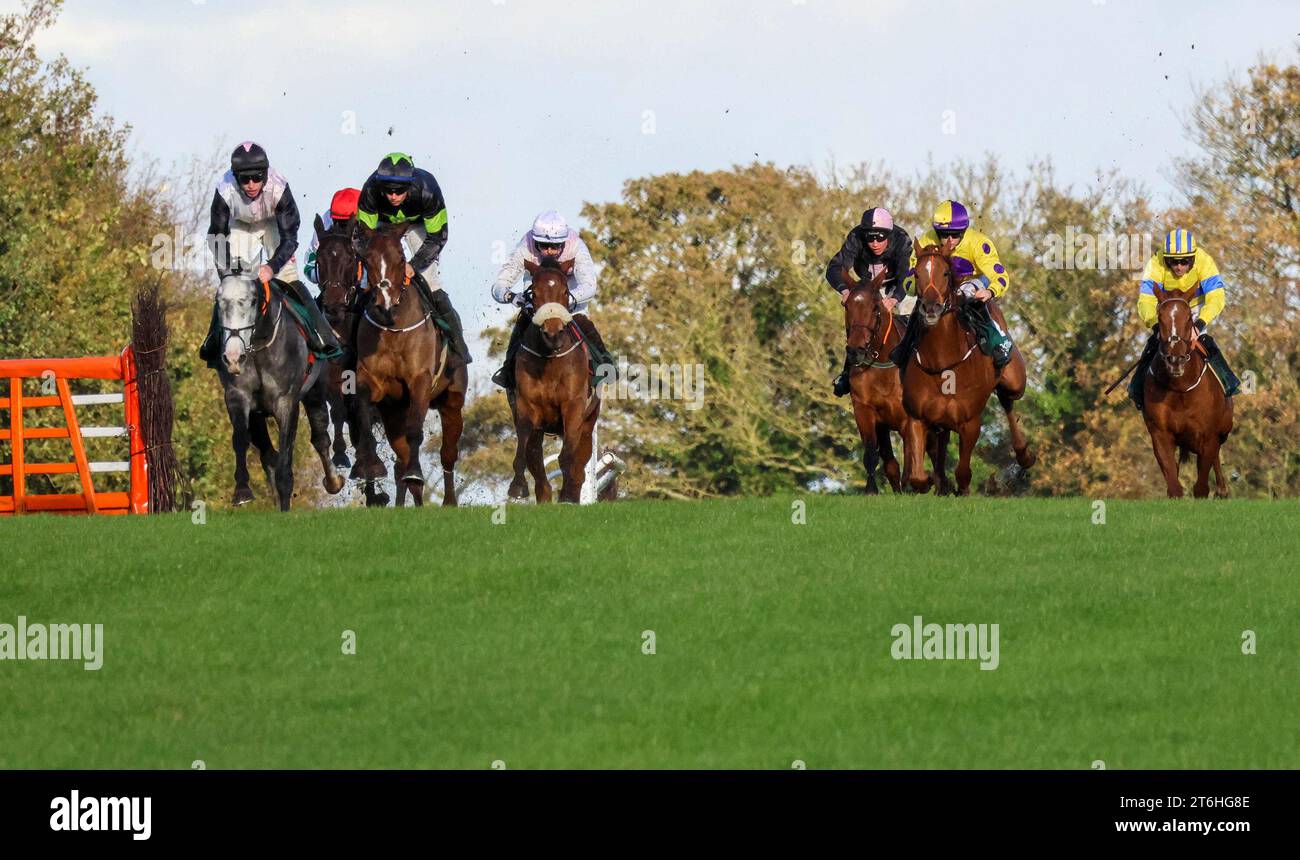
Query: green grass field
x=522 y=642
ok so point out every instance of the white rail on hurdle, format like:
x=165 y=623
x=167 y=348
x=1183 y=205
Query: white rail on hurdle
x=602 y=469
x=102 y=432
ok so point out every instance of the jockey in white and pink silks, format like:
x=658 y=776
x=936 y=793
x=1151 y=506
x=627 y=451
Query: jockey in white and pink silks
x=550 y=238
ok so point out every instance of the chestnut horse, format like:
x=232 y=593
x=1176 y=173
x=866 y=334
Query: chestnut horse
x=1181 y=406
x=339 y=277
x=553 y=392
x=875 y=387
x=947 y=380
x=401 y=356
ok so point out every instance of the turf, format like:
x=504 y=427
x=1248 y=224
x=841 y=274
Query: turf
x=522 y=642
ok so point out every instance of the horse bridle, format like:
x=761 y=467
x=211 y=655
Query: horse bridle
x=870 y=349
x=227 y=332
x=1178 y=362
x=528 y=306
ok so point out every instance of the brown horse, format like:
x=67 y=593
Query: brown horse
x=875 y=387
x=401 y=356
x=339 y=277
x=1180 y=405
x=947 y=380
x=553 y=392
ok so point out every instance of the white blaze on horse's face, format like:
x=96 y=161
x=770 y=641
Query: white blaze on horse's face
x=552 y=311
x=237 y=303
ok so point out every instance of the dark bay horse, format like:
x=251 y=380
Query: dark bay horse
x=947 y=380
x=553 y=391
x=1184 y=405
x=401 y=359
x=339 y=277
x=266 y=371
x=875 y=387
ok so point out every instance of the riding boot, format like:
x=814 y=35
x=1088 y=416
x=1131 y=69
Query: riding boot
x=903 y=351
x=210 y=349
x=599 y=356
x=505 y=377
x=1136 y=382
x=841 y=385
x=320 y=336
x=993 y=341
x=449 y=321
x=1231 y=384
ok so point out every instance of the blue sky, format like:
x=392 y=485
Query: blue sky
x=522 y=105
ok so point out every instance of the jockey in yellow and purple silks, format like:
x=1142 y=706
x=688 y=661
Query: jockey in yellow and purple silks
x=1186 y=268
x=980 y=276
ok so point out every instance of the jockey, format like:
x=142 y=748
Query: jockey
x=253 y=209
x=550 y=238
x=979 y=274
x=874 y=244
x=398 y=192
x=1182 y=266
x=342 y=208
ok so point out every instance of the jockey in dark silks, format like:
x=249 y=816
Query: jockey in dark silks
x=398 y=192
x=550 y=238
x=980 y=277
x=253 y=210
x=875 y=244
x=1182 y=267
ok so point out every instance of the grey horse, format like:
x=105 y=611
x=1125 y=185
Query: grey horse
x=265 y=372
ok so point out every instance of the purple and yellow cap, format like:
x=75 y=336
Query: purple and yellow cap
x=951 y=215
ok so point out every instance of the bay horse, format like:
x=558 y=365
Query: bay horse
x=553 y=391
x=1180 y=406
x=338 y=273
x=266 y=370
x=947 y=380
x=875 y=387
x=401 y=358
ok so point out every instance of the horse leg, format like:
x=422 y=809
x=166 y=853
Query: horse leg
x=1207 y=455
x=453 y=423
x=239 y=438
x=395 y=429
x=261 y=438
x=286 y=418
x=360 y=418
x=865 y=417
x=1024 y=455
x=316 y=401
x=537 y=466
x=420 y=392
x=937 y=448
x=338 y=413
x=1162 y=442
x=914 y=444
x=519 y=486
x=969 y=435
x=886 y=448
x=1220 y=485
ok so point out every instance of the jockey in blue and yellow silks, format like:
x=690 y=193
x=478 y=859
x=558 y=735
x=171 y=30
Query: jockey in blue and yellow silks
x=979 y=273
x=1183 y=267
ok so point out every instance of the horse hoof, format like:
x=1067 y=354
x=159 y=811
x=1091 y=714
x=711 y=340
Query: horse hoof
x=242 y=497
x=333 y=483
x=371 y=471
x=1027 y=460
x=518 y=490
x=341 y=461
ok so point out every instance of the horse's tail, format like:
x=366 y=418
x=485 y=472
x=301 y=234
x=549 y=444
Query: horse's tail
x=1184 y=453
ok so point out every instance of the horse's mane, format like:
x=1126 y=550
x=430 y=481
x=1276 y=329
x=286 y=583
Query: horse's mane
x=551 y=263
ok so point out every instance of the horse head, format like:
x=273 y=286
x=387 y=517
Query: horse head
x=338 y=271
x=380 y=252
x=864 y=315
x=549 y=296
x=241 y=301
x=1174 y=315
x=934 y=283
